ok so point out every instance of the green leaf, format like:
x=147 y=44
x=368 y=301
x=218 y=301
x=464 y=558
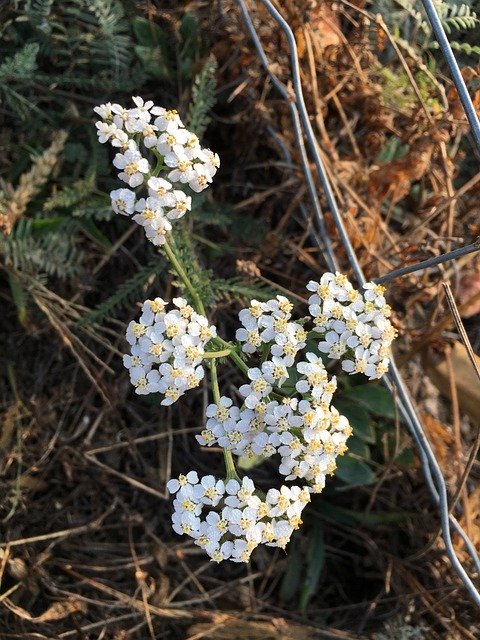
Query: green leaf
x=45 y=225
x=358 y=417
x=152 y=49
x=354 y=472
x=291 y=577
x=19 y=298
x=406 y=458
x=376 y=399
x=315 y=563
x=152 y=62
x=358 y=447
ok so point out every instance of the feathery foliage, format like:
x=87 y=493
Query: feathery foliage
x=126 y=294
x=40 y=253
x=203 y=98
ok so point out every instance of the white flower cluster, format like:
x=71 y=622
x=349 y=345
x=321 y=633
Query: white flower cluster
x=355 y=327
x=266 y=327
x=147 y=130
x=307 y=434
x=237 y=520
x=167 y=348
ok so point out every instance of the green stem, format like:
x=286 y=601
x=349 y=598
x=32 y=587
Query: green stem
x=233 y=354
x=227 y=455
x=217 y=354
x=159 y=166
x=184 y=277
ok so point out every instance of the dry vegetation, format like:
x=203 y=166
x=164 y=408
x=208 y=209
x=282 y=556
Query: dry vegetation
x=86 y=548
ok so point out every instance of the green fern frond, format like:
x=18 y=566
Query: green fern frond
x=18 y=68
x=70 y=195
x=202 y=279
x=203 y=97
x=459 y=17
x=38 y=13
x=464 y=47
x=22 y=64
x=238 y=289
x=113 y=46
x=96 y=209
x=51 y=254
x=127 y=293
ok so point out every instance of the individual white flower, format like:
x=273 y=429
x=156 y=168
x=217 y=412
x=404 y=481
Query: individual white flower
x=104 y=111
x=182 y=168
x=105 y=131
x=148 y=131
x=257 y=389
x=211 y=161
x=145 y=384
x=200 y=178
x=142 y=108
x=123 y=201
x=274 y=371
x=192 y=148
x=209 y=490
x=120 y=139
x=157 y=230
x=149 y=209
x=167 y=120
x=161 y=189
x=175 y=484
x=180 y=204
x=133 y=165
x=172 y=142
x=185 y=522
x=124 y=118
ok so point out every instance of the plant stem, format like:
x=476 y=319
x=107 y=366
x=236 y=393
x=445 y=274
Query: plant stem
x=228 y=351
x=184 y=277
x=233 y=354
x=227 y=455
x=217 y=354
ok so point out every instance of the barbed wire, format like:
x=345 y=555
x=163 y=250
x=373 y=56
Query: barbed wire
x=393 y=380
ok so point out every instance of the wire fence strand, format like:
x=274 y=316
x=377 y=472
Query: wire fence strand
x=393 y=380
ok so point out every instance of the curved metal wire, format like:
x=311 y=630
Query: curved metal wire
x=457 y=77
x=433 y=475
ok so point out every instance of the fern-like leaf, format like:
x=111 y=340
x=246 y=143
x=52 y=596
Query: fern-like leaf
x=203 y=97
x=70 y=195
x=38 y=13
x=126 y=295
x=238 y=289
x=35 y=254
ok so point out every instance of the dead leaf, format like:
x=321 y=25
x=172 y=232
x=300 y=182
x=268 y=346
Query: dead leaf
x=473 y=505
x=393 y=179
x=469 y=288
x=57 y=611
x=466 y=379
x=225 y=627
x=7 y=425
x=440 y=437
x=32 y=483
